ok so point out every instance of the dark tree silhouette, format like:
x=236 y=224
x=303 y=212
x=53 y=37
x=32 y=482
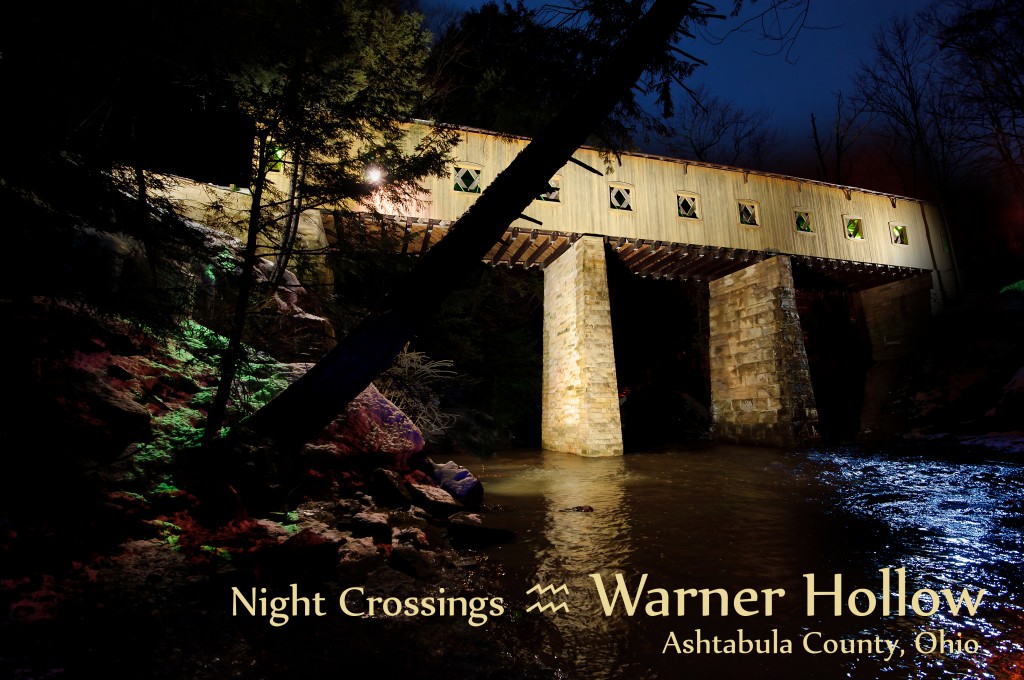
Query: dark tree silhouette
x=309 y=404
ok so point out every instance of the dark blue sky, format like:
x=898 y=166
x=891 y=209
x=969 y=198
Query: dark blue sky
x=821 y=61
x=825 y=60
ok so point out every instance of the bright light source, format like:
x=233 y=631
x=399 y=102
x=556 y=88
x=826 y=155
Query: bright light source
x=374 y=175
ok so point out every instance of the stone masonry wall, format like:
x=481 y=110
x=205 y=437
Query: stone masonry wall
x=760 y=383
x=580 y=394
x=897 y=316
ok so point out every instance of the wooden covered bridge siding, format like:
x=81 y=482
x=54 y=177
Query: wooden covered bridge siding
x=668 y=218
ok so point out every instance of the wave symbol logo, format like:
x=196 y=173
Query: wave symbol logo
x=548 y=606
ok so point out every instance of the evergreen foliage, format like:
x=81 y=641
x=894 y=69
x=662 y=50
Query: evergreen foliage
x=510 y=68
x=330 y=83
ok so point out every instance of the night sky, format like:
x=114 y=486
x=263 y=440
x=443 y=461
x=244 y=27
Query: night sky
x=825 y=60
x=748 y=72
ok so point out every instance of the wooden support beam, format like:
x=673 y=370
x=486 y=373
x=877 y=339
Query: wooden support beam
x=687 y=262
x=651 y=265
x=638 y=255
x=426 y=238
x=668 y=268
x=562 y=247
x=538 y=251
x=663 y=268
x=651 y=251
x=724 y=266
x=625 y=245
x=527 y=242
x=644 y=257
x=509 y=239
x=407 y=236
x=631 y=247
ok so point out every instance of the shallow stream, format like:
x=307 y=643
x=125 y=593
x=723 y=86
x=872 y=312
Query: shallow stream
x=747 y=521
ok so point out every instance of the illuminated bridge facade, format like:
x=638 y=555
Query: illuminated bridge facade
x=746 y=233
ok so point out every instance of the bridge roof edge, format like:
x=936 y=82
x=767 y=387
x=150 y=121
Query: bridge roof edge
x=703 y=164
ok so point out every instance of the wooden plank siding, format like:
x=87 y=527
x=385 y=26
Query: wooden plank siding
x=584 y=206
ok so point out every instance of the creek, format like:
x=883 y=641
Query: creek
x=748 y=520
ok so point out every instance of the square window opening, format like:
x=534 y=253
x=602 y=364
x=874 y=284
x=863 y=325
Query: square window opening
x=620 y=198
x=554 y=192
x=686 y=206
x=467 y=180
x=854 y=228
x=276 y=159
x=899 y=234
x=804 y=221
x=748 y=214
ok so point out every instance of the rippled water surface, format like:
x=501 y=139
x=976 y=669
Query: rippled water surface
x=737 y=518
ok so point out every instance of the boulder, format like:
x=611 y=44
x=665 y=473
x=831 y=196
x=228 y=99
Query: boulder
x=410 y=536
x=103 y=420
x=459 y=482
x=434 y=500
x=388 y=489
x=372 y=524
x=373 y=425
x=358 y=557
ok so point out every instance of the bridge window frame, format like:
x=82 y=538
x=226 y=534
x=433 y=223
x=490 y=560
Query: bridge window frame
x=899 y=234
x=696 y=209
x=554 y=189
x=807 y=215
x=458 y=169
x=275 y=162
x=749 y=213
x=627 y=190
x=857 y=235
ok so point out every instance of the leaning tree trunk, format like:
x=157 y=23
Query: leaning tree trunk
x=308 y=405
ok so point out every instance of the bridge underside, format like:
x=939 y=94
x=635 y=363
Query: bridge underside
x=761 y=389
x=538 y=248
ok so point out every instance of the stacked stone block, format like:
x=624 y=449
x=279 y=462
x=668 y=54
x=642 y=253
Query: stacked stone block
x=897 y=316
x=760 y=382
x=580 y=393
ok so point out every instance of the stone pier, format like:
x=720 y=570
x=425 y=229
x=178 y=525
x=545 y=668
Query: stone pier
x=760 y=382
x=896 y=318
x=580 y=393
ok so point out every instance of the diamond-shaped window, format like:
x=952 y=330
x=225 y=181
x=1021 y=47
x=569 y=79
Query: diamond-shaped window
x=467 y=180
x=899 y=234
x=748 y=214
x=803 y=221
x=276 y=159
x=686 y=206
x=620 y=198
x=553 y=194
x=855 y=228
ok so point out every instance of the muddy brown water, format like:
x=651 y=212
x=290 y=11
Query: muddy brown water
x=735 y=525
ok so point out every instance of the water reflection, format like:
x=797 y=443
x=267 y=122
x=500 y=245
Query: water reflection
x=572 y=544
x=953 y=522
x=734 y=518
